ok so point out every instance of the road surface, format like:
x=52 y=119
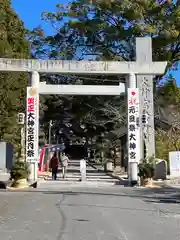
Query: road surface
x=90 y=212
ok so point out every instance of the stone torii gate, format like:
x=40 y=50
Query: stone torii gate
x=139 y=77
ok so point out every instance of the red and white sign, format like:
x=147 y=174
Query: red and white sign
x=32 y=125
x=133 y=125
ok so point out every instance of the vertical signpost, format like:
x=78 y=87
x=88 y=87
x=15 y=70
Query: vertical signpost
x=32 y=126
x=133 y=130
x=145 y=84
x=147 y=129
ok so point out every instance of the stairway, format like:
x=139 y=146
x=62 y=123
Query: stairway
x=92 y=175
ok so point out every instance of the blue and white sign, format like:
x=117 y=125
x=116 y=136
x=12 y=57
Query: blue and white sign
x=57 y=148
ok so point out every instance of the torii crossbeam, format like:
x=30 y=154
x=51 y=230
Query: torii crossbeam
x=81 y=67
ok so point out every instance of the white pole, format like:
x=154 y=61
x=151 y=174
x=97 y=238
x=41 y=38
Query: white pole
x=83 y=169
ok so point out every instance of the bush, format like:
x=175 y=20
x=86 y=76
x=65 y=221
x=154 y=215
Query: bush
x=20 y=170
x=146 y=168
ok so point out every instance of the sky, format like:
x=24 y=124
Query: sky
x=30 y=14
x=30 y=11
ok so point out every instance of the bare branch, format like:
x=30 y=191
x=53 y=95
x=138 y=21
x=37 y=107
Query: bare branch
x=114 y=114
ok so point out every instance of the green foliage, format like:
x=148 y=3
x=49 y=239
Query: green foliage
x=169 y=92
x=12 y=85
x=146 y=168
x=20 y=170
x=167 y=106
x=107 y=29
x=167 y=141
x=162 y=146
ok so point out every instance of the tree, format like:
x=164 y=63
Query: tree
x=13 y=44
x=106 y=30
x=168 y=118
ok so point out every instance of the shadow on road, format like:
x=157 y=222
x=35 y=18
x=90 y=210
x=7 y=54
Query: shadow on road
x=165 y=200
x=131 y=192
x=160 y=195
x=157 y=195
x=165 y=195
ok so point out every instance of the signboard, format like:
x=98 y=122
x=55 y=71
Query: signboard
x=57 y=148
x=32 y=125
x=174 y=163
x=133 y=125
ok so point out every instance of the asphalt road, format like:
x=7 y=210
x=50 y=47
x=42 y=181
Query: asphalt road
x=90 y=213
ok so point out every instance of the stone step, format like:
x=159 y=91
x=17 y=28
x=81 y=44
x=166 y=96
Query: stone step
x=76 y=170
x=74 y=164
x=92 y=175
x=87 y=173
x=49 y=185
x=76 y=179
x=88 y=176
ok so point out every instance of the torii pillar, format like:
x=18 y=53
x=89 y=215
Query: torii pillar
x=145 y=85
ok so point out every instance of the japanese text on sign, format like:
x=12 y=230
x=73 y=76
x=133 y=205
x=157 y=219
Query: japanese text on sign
x=133 y=119
x=31 y=126
x=145 y=89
